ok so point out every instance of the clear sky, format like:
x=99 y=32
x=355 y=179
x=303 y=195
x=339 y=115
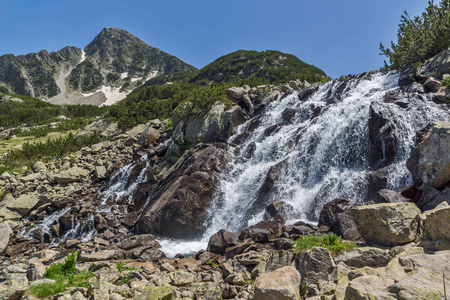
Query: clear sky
x=340 y=37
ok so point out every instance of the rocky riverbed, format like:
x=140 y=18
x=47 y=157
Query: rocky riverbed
x=115 y=200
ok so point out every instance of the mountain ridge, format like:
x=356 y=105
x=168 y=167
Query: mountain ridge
x=110 y=66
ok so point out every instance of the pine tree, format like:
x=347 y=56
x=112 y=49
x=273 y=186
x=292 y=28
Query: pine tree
x=421 y=37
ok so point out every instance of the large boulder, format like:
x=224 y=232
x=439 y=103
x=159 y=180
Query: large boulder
x=337 y=216
x=105 y=127
x=177 y=207
x=262 y=231
x=381 y=133
x=387 y=223
x=438 y=65
x=281 y=284
x=221 y=240
x=23 y=204
x=408 y=277
x=215 y=126
x=436 y=223
x=429 y=162
x=6 y=235
x=71 y=175
x=316 y=266
x=366 y=256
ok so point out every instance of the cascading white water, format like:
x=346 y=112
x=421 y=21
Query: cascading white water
x=314 y=159
x=118 y=185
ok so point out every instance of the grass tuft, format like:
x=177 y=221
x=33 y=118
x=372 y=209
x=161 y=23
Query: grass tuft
x=65 y=276
x=330 y=241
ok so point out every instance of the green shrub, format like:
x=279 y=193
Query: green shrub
x=65 y=276
x=446 y=82
x=67 y=268
x=330 y=241
x=169 y=124
x=121 y=266
x=212 y=263
x=51 y=148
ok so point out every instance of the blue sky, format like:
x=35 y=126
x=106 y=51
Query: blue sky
x=340 y=37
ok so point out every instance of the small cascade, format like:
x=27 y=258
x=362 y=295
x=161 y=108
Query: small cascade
x=307 y=151
x=120 y=185
x=43 y=227
x=113 y=200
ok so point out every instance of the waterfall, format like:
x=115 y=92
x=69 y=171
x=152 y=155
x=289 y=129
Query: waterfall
x=308 y=152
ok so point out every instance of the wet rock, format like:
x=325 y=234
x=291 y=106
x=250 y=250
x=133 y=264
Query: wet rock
x=429 y=162
x=388 y=196
x=432 y=85
x=130 y=219
x=406 y=78
x=381 y=133
x=222 y=240
x=387 y=224
x=441 y=197
x=288 y=114
x=337 y=216
x=177 y=207
x=262 y=231
x=330 y=210
x=281 y=284
x=412 y=193
x=303 y=228
x=274 y=210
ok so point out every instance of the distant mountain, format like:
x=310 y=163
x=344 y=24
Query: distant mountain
x=274 y=66
x=112 y=65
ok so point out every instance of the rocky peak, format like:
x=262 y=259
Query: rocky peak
x=112 y=43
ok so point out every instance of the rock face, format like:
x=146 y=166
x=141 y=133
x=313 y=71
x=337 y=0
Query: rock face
x=430 y=160
x=215 y=126
x=281 y=284
x=387 y=224
x=178 y=205
x=404 y=278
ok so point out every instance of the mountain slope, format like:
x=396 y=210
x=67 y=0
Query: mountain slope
x=273 y=66
x=112 y=65
x=34 y=74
